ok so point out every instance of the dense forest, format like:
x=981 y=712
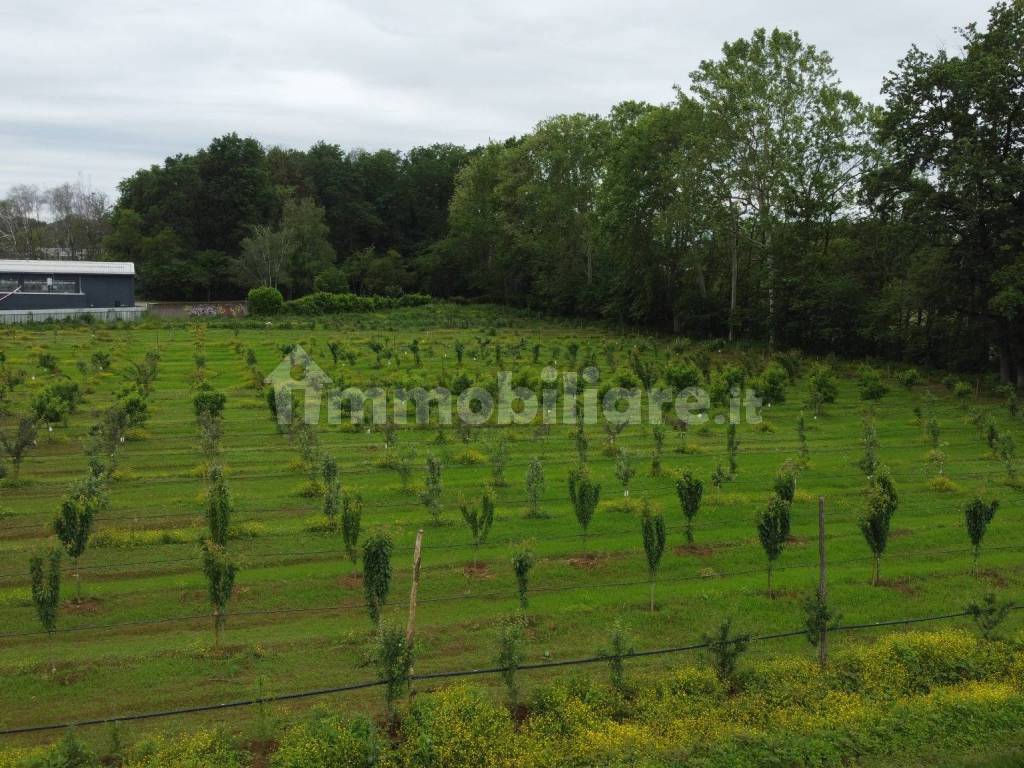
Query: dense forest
x=763 y=201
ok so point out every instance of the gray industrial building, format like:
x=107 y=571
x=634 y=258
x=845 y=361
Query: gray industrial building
x=37 y=290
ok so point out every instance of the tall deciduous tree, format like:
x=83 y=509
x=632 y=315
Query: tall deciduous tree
x=953 y=136
x=788 y=138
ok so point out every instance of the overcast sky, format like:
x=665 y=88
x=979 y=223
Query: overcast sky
x=95 y=89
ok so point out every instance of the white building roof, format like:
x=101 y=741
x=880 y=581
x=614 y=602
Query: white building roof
x=44 y=267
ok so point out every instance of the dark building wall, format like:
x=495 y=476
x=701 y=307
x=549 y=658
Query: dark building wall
x=96 y=291
x=109 y=290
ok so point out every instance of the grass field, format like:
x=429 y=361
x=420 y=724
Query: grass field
x=141 y=640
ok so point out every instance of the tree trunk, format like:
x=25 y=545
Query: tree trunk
x=734 y=279
x=876 y=571
x=1004 y=364
x=652 y=594
x=689 y=532
x=771 y=592
x=78 y=582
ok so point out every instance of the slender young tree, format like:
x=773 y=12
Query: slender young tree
x=218 y=566
x=510 y=656
x=479 y=520
x=393 y=657
x=689 y=489
x=784 y=483
x=653 y=529
x=732 y=447
x=658 y=433
x=45 y=574
x=869 y=439
x=801 y=435
x=430 y=497
x=220 y=571
x=584 y=494
x=17 y=441
x=73 y=525
x=499 y=460
x=624 y=470
x=773 y=530
x=522 y=563
x=332 y=492
x=351 y=523
x=404 y=462
x=978 y=515
x=377 y=573
x=580 y=436
x=726 y=649
x=617 y=653
x=875 y=521
x=534 y=487
x=219 y=508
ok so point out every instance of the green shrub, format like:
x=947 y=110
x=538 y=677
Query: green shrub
x=682 y=376
x=209 y=403
x=771 y=384
x=457 y=728
x=331 y=280
x=822 y=387
x=265 y=301
x=67 y=753
x=338 y=303
x=869 y=381
x=908 y=378
x=329 y=742
x=194 y=750
x=963 y=392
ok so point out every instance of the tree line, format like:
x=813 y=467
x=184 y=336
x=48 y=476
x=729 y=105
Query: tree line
x=237 y=215
x=764 y=201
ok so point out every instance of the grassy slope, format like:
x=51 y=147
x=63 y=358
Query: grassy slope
x=152 y=666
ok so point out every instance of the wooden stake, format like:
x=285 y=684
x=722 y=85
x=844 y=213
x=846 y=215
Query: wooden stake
x=822 y=581
x=410 y=629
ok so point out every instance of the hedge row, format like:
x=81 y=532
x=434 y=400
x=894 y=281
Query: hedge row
x=337 y=303
x=268 y=301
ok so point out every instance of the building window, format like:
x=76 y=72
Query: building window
x=8 y=284
x=64 y=286
x=50 y=285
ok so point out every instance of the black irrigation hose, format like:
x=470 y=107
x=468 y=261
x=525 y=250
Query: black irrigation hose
x=447 y=676
x=480 y=596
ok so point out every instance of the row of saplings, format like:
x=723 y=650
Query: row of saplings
x=88 y=498
x=343 y=512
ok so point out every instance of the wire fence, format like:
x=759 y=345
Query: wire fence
x=454 y=674
x=490 y=596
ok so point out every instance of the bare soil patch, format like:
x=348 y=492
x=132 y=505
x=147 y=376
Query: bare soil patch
x=694 y=550
x=86 y=606
x=477 y=571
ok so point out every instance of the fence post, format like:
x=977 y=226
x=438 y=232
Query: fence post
x=410 y=629
x=822 y=582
